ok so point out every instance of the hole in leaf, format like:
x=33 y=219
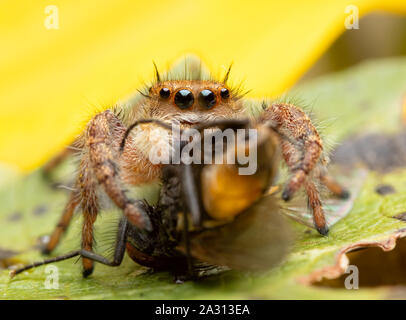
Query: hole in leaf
x=375 y=267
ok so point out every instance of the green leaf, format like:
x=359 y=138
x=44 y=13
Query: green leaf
x=365 y=98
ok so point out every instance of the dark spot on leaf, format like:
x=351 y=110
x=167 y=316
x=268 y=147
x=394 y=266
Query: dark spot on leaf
x=40 y=210
x=376 y=151
x=4 y=255
x=384 y=189
x=15 y=216
x=365 y=105
x=401 y=216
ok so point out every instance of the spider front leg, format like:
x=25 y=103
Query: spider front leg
x=90 y=209
x=103 y=137
x=301 y=148
x=300 y=141
x=85 y=195
x=100 y=166
x=103 y=145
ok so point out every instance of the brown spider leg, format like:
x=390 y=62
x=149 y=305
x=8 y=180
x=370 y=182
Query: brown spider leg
x=336 y=188
x=119 y=251
x=316 y=206
x=99 y=167
x=103 y=152
x=301 y=148
x=311 y=153
x=63 y=223
x=292 y=122
x=57 y=160
x=89 y=211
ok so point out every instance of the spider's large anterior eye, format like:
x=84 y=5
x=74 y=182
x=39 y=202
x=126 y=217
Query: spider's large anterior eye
x=184 y=99
x=224 y=93
x=165 y=93
x=207 y=99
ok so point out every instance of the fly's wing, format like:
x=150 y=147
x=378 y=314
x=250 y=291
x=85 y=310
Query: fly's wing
x=260 y=237
x=257 y=239
x=334 y=208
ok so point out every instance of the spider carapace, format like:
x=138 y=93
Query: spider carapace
x=115 y=154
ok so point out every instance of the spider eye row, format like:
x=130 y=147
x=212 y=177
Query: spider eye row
x=165 y=93
x=184 y=98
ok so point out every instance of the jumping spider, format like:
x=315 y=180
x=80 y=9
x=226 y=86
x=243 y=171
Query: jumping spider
x=114 y=151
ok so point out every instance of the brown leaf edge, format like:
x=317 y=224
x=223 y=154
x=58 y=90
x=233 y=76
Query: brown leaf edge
x=342 y=261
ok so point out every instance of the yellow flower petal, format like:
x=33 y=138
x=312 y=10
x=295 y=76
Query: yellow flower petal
x=51 y=80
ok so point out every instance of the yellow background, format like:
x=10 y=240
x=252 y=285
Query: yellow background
x=51 y=81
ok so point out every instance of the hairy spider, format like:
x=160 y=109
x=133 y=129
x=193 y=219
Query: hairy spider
x=114 y=152
x=207 y=214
